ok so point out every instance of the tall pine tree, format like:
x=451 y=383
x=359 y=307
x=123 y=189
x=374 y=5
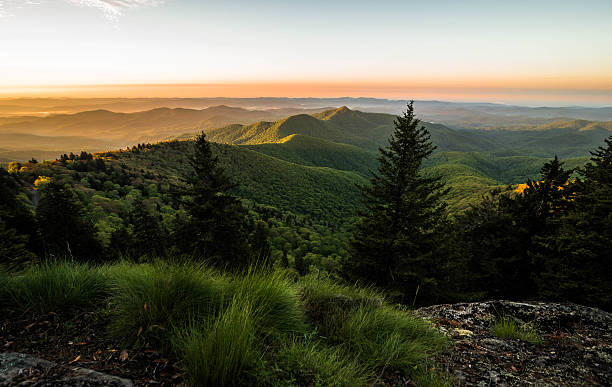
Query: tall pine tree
x=217 y=224
x=395 y=244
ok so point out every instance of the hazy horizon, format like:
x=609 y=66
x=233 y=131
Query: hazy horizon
x=543 y=54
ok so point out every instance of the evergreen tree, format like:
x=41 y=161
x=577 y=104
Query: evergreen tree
x=217 y=224
x=489 y=254
x=543 y=199
x=395 y=244
x=259 y=244
x=19 y=237
x=495 y=253
x=66 y=231
x=14 y=253
x=149 y=238
x=577 y=258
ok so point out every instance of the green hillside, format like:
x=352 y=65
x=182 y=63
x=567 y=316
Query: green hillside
x=323 y=193
x=342 y=125
x=272 y=132
x=311 y=151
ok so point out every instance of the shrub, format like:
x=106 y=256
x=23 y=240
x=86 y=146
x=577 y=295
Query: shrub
x=507 y=327
x=149 y=300
x=57 y=286
x=216 y=353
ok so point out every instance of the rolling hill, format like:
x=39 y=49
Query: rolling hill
x=103 y=129
x=342 y=125
x=316 y=152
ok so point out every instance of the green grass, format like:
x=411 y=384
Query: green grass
x=217 y=351
x=308 y=362
x=150 y=300
x=507 y=327
x=56 y=286
x=278 y=308
x=389 y=339
x=384 y=338
x=257 y=327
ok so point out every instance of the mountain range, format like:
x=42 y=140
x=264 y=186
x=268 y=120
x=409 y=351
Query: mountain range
x=308 y=163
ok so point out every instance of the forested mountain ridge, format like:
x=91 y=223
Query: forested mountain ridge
x=340 y=141
x=24 y=137
x=343 y=125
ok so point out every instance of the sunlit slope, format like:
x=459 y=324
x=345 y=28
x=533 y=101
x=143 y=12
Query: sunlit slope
x=469 y=175
x=342 y=125
x=273 y=132
x=311 y=151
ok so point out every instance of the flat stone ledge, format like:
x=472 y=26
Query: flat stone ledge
x=19 y=369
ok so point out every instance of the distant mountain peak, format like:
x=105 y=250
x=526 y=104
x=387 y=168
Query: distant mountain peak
x=331 y=113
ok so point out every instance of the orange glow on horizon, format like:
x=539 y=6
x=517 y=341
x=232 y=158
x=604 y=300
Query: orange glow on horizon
x=544 y=90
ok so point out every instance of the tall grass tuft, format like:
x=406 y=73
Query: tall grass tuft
x=57 y=286
x=149 y=300
x=389 y=339
x=507 y=327
x=308 y=363
x=275 y=299
x=216 y=352
x=382 y=337
x=323 y=292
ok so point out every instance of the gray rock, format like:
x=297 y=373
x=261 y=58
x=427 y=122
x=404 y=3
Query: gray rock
x=18 y=369
x=576 y=346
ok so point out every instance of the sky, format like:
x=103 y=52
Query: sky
x=529 y=52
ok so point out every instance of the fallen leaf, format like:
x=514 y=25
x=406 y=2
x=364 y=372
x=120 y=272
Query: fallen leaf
x=124 y=355
x=30 y=326
x=75 y=359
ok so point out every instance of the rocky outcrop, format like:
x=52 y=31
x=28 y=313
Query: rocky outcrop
x=576 y=347
x=18 y=369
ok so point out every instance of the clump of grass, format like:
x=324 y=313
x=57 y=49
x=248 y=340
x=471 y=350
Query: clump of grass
x=275 y=299
x=507 y=327
x=307 y=362
x=217 y=352
x=322 y=292
x=149 y=300
x=56 y=286
x=328 y=304
x=382 y=337
x=389 y=339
